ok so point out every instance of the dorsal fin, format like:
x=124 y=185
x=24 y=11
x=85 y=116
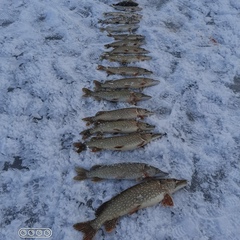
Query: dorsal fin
x=95 y=167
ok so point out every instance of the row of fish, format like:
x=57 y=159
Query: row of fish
x=134 y=133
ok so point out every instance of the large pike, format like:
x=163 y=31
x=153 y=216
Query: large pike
x=127 y=36
x=123 y=14
x=120 y=20
x=140 y=196
x=132 y=71
x=118 y=114
x=125 y=58
x=121 y=28
x=124 y=170
x=120 y=143
x=126 y=42
x=117 y=95
x=120 y=126
x=128 y=50
x=126 y=83
x=127 y=8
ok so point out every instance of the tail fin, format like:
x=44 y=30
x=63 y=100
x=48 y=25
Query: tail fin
x=85 y=133
x=100 y=67
x=87 y=92
x=81 y=174
x=85 y=227
x=97 y=84
x=79 y=146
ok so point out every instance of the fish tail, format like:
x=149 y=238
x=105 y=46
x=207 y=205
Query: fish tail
x=85 y=227
x=97 y=84
x=87 y=92
x=86 y=133
x=100 y=67
x=81 y=174
x=79 y=146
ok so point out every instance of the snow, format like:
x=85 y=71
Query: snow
x=49 y=52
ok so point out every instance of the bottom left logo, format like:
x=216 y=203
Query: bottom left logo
x=34 y=232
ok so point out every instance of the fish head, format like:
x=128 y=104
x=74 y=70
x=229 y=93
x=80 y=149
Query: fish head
x=150 y=171
x=155 y=82
x=143 y=96
x=142 y=112
x=173 y=185
x=145 y=126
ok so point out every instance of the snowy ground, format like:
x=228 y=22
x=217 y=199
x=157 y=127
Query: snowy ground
x=49 y=51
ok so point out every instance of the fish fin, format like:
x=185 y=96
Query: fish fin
x=85 y=133
x=85 y=227
x=141 y=144
x=81 y=174
x=134 y=210
x=167 y=201
x=95 y=149
x=118 y=147
x=97 y=84
x=87 y=92
x=100 y=67
x=79 y=146
x=97 y=179
x=110 y=225
x=95 y=167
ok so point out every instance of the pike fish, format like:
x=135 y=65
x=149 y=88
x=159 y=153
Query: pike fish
x=128 y=3
x=117 y=96
x=125 y=170
x=132 y=71
x=145 y=194
x=119 y=114
x=125 y=58
x=120 y=126
x=123 y=14
x=120 y=20
x=126 y=42
x=128 y=50
x=121 y=28
x=120 y=143
x=126 y=8
x=126 y=83
x=127 y=36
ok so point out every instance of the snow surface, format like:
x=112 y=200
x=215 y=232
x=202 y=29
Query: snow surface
x=50 y=50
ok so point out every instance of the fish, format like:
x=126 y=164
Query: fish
x=126 y=170
x=120 y=126
x=126 y=42
x=123 y=14
x=127 y=36
x=126 y=8
x=125 y=58
x=129 y=201
x=120 y=20
x=121 y=28
x=128 y=50
x=137 y=82
x=117 y=96
x=126 y=4
x=126 y=142
x=132 y=71
x=119 y=114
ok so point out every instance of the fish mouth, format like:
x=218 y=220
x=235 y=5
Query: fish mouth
x=149 y=127
x=180 y=184
x=156 y=135
x=161 y=174
x=146 y=97
x=155 y=82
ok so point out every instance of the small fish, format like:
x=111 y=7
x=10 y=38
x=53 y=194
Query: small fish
x=126 y=42
x=126 y=8
x=121 y=28
x=126 y=4
x=120 y=143
x=145 y=194
x=127 y=36
x=117 y=96
x=124 y=170
x=120 y=126
x=123 y=14
x=120 y=20
x=124 y=59
x=126 y=83
x=128 y=50
x=132 y=71
x=119 y=114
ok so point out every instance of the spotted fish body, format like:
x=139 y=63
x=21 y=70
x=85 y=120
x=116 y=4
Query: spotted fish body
x=126 y=83
x=124 y=170
x=120 y=20
x=125 y=42
x=132 y=71
x=140 y=196
x=126 y=58
x=127 y=36
x=123 y=14
x=120 y=143
x=117 y=96
x=120 y=126
x=121 y=28
x=118 y=114
x=128 y=50
x=126 y=8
